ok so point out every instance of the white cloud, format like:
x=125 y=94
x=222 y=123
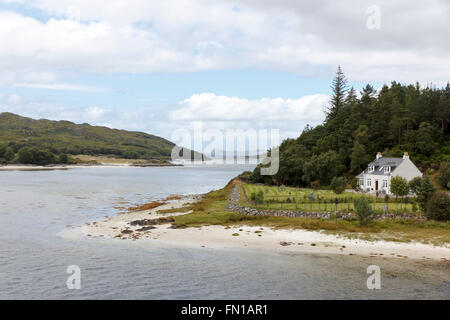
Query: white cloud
x=208 y=106
x=186 y=35
x=61 y=86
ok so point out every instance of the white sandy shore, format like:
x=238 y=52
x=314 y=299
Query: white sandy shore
x=300 y=241
x=23 y=167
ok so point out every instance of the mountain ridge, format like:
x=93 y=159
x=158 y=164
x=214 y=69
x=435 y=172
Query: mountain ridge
x=66 y=137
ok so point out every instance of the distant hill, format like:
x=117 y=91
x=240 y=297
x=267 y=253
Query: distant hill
x=64 y=137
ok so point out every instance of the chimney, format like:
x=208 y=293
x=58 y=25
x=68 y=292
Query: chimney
x=379 y=155
x=405 y=156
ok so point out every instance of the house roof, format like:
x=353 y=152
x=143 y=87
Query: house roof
x=386 y=161
x=379 y=163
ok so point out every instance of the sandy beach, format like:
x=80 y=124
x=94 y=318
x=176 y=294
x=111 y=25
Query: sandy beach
x=23 y=167
x=264 y=238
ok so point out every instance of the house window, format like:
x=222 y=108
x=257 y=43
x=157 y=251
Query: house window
x=361 y=182
x=369 y=183
x=387 y=169
x=385 y=182
x=371 y=168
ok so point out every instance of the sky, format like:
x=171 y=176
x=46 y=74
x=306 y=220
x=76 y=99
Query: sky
x=158 y=66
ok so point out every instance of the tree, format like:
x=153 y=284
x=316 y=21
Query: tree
x=63 y=158
x=423 y=188
x=355 y=184
x=358 y=157
x=25 y=155
x=338 y=184
x=9 y=154
x=363 y=210
x=443 y=109
x=339 y=87
x=425 y=139
x=444 y=175
x=399 y=186
x=438 y=207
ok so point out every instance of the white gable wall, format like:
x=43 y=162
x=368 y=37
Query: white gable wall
x=406 y=169
x=373 y=178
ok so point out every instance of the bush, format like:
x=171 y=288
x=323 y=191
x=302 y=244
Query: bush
x=363 y=210
x=63 y=158
x=423 y=188
x=338 y=184
x=259 y=197
x=399 y=186
x=315 y=184
x=25 y=155
x=438 y=207
x=245 y=176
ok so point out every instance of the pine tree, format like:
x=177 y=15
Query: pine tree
x=339 y=87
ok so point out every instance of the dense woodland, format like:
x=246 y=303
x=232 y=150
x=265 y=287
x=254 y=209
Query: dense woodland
x=24 y=140
x=393 y=120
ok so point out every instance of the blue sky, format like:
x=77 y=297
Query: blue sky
x=160 y=66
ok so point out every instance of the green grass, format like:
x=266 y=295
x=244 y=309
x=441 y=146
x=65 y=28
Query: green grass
x=211 y=210
x=174 y=210
x=288 y=198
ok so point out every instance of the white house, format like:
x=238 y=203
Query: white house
x=377 y=176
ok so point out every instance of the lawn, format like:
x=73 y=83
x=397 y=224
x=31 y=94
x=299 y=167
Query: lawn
x=211 y=210
x=296 y=199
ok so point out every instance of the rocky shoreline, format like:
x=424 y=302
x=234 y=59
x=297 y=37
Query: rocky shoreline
x=234 y=206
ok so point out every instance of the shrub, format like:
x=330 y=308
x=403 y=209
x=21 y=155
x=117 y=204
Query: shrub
x=363 y=210
x=63 y=158
x=423 y=188
x=338 y=184
x=438 y=207
x=259 y=198
x=399 y=186
x=315 y=185
x=9 y=154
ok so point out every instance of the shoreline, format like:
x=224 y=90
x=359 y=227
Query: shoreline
x=24 y=167
x=251 y=237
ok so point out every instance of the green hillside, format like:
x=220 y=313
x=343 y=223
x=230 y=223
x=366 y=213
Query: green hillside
x=25 y=140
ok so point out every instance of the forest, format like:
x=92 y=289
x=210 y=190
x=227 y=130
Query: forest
x=397 y=118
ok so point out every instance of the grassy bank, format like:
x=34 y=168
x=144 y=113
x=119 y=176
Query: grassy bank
x=287 y=198
x=211 y=210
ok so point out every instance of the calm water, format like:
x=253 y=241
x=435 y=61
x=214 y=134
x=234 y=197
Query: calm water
x=36 y=206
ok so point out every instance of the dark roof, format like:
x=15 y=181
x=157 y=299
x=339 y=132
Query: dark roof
x=386 y=161
x=379 y=163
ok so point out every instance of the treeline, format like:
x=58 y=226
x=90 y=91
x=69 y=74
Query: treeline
x=396 y=119
x=30 y=155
